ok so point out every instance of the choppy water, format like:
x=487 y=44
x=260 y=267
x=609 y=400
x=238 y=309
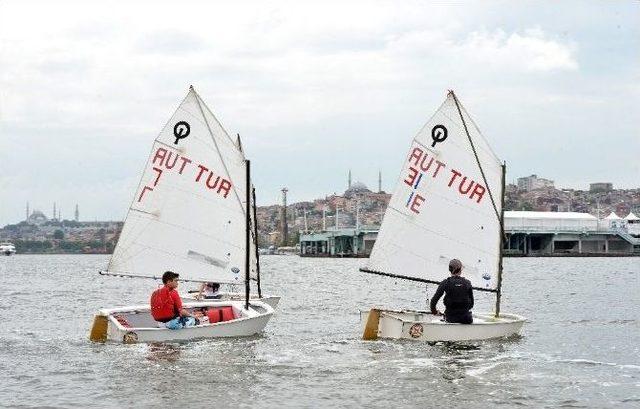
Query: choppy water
x=581 y=347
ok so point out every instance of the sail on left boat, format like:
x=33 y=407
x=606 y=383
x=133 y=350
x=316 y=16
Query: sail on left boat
x=191 y=214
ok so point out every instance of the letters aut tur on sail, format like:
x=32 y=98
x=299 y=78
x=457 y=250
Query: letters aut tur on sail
x=188 y=212
x=441 y=207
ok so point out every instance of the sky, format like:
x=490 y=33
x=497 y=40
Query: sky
x=313 y=88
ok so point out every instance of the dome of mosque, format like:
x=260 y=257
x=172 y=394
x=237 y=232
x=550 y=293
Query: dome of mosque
x=356 y=187
x=37 y=217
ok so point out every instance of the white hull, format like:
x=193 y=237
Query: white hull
x=424 y=326
x=7 y=249
x=142 y=327
x=272 y=300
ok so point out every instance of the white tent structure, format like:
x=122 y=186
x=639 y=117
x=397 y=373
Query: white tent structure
x=633 y=224
x=614 y=220
x=631 y=217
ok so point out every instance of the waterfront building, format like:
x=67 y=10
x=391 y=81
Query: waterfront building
x=526 y=233
x=566 y=233
x=347 y=242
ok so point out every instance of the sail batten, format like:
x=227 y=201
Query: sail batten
x=186 y=215
x=441 y=207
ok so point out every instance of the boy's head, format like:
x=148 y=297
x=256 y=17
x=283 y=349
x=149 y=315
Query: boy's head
x=455 y=266
x=170 y=279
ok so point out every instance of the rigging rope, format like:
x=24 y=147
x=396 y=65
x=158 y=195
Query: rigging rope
x=475 y=154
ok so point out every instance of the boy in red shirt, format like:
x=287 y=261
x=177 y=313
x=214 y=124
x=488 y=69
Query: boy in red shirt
x=166 y=305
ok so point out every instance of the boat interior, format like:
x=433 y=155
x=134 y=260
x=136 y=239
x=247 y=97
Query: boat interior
x=206 y=315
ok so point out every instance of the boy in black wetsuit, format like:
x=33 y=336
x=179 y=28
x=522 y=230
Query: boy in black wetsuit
x=458 y=296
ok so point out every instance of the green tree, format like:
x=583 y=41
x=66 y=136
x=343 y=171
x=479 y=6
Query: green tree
x=58 y=234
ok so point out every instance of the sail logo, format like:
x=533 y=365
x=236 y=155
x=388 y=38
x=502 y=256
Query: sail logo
x=181 y=130
x=438 y=134
x=167 y=160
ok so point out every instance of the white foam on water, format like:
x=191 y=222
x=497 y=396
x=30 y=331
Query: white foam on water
x=596 y=363
x=476 y=372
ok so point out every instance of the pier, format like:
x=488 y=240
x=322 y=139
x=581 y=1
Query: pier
x=527 y=234
x=347 y=242
x=569 y=233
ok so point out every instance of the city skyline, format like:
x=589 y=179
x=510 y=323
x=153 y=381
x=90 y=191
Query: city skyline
x=313 y=90
x=348 y=179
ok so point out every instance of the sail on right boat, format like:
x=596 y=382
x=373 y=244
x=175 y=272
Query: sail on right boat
x=447 y=203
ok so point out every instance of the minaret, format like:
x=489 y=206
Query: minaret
x=27 y=219
x=349 y=181
x=54 y=211
x=379 y=181
x=284 y=228
x=76 y=214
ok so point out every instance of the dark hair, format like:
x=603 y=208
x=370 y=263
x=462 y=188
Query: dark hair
x=455 y=266
x=169 y=276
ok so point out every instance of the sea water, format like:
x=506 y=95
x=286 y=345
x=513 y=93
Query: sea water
x=580 y=348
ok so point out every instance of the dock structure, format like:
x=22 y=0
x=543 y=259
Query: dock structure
x=345 y=242
x=526 y=234
x=568 y=233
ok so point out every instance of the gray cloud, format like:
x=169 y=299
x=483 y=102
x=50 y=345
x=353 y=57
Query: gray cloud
x=314 y=89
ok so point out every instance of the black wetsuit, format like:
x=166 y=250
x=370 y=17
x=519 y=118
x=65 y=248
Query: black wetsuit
x=458 y=299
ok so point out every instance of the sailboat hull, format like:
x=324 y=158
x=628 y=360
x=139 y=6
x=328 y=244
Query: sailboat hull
x=134 y=324
x=424 y=326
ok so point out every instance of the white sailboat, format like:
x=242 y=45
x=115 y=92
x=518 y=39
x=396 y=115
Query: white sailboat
x=448 y=203
x=191 y=214
x=7 y=249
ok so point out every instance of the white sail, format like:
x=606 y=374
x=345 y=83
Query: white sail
x=441 y=207
x=188 y=213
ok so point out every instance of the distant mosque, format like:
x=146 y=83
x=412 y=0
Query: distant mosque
x=359 y=187
x=37 y=217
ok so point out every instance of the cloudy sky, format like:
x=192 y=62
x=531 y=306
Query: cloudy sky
x=314 y=88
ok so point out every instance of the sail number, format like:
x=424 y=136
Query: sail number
x=166 y=160
x=421 y=164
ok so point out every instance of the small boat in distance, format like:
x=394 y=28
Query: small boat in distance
x=193 y=213
x=448 y=203
x=7 y=249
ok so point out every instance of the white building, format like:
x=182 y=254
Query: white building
x=533 y=182
x=569 y=221
x=565 y=233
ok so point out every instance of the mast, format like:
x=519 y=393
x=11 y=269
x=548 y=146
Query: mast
x=255 y=235
x=247 y=258
x=499 y=292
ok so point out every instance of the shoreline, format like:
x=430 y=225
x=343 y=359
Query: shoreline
x=583 y=255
